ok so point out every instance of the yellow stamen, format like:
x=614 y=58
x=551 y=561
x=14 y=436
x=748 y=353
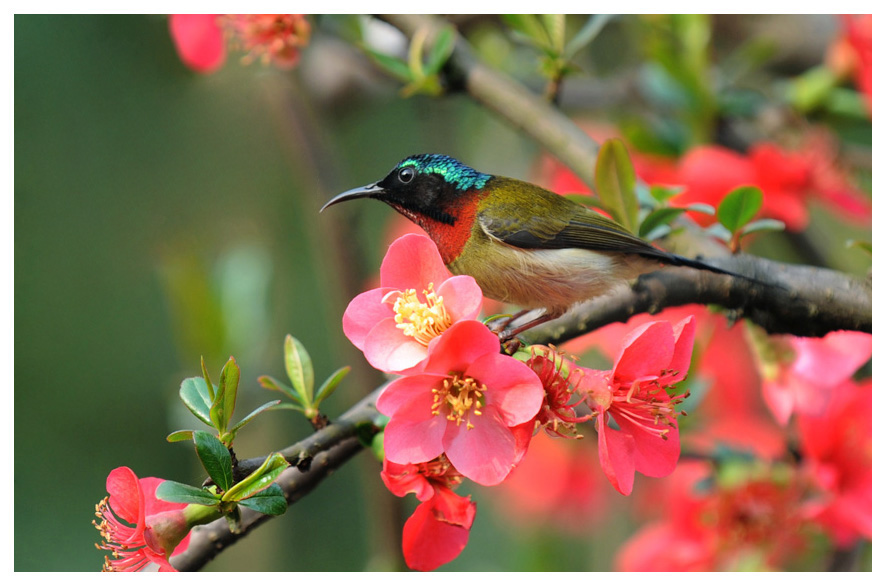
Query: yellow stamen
x=421 y=320
x=462 y=396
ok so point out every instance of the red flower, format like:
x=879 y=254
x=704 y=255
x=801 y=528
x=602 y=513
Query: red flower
x=273 y=38
x=751 y=520
x=395 y=325
x=801 y=373
x=136 y=527
x=464 y=402
x=858 y=37
x=557 y=415
x=837 y=445
x=439 y=528
x=653 y=358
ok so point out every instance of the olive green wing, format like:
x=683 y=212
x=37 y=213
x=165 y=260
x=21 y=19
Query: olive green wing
x=526 y=216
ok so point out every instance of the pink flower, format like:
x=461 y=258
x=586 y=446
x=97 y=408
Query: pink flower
x=136 y=527
x=801 y=373
x=200 y=39
x=439 y=528
x=653 y=358
x=837 y=445
x=396 y=325
x=464 y=402
x=557 y=415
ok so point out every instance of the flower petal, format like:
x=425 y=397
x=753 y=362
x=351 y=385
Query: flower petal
x=413 y=261
x=617 y=456
x=126 y=498
x=428 y=542
x=460 y=345
x=198 y=40
x=654 y=456
x=364 y=312
x=485 y=453
x=403 y=391
x=513 y=388
x=461 y=296
x=388 y=349
x=647 y=350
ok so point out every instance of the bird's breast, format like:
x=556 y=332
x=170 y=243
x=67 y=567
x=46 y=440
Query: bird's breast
x=552 y=279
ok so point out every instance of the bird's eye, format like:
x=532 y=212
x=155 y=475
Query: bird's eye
x=406 y=174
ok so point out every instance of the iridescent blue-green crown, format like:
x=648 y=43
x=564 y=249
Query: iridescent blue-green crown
x=452 y=170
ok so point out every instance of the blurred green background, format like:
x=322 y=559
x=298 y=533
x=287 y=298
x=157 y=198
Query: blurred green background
x=162 y=215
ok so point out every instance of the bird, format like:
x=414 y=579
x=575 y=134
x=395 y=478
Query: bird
x=524 y=245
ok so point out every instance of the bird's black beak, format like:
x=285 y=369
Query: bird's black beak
x=372 y=190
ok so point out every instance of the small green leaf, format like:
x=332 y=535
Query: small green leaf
x=759 y=225
x=664 y=194
x=272 y=383
x=657 y=218
x=215 y=458
x=377 y=446
x=196 y=398
x=615 y=183
x=253 y=414
x=287 y=406
x=180 y=436
x=392 y=65
x=271 y=501
x=555 y=30
x=259 y=479
x=225 y=399
x=179 y=493
x=441 y=50
x=330 y=384
x=701 y=208
x=717 y=230
x=739 y=206
x=530 y=27
x=210 y=388
x=299 y=368
x=861 y=245
x=585 y=35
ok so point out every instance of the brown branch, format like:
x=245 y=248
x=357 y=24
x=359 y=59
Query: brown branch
x=313 y=459
x=801 y=300
x=536 y=118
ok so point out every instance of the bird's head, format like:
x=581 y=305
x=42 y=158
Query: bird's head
x=426 y=188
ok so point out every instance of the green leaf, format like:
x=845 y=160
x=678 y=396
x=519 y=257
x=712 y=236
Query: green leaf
x=659 y=217
x=180 y=436
x=272 y=383
x=555 y=30
x=299 y=368
x=215 y=458
x=585 y=35
x=759 y=225
x=701 y=208
x=179 y=493
x=861 y=245
x=253 y=414
x=258 y=480
x=225 y=399
x=739 y=206
x=664 y=194
x=392 y=65
x=615 y=183
x=330 y=384
x=196 y=398
x=441 y=50
x=287 y=406
x=271 y=501
x=210 y=388
x=530 y=26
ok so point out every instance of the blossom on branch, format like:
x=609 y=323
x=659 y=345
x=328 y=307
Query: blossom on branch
x=464 y=402
x=201 y=39
x=653 y=358
x=137 y=528
x=439 y=528
x=396 y=324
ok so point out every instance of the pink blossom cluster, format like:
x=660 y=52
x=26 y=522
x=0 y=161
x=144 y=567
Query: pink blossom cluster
x=462 y=409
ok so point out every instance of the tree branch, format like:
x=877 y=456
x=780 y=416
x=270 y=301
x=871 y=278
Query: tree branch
x=801 y=300
x=313 y=459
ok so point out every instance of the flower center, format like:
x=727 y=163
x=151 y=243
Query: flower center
x=461 y=397
x=421 y=320
x=123 y=542
x=647 y=404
